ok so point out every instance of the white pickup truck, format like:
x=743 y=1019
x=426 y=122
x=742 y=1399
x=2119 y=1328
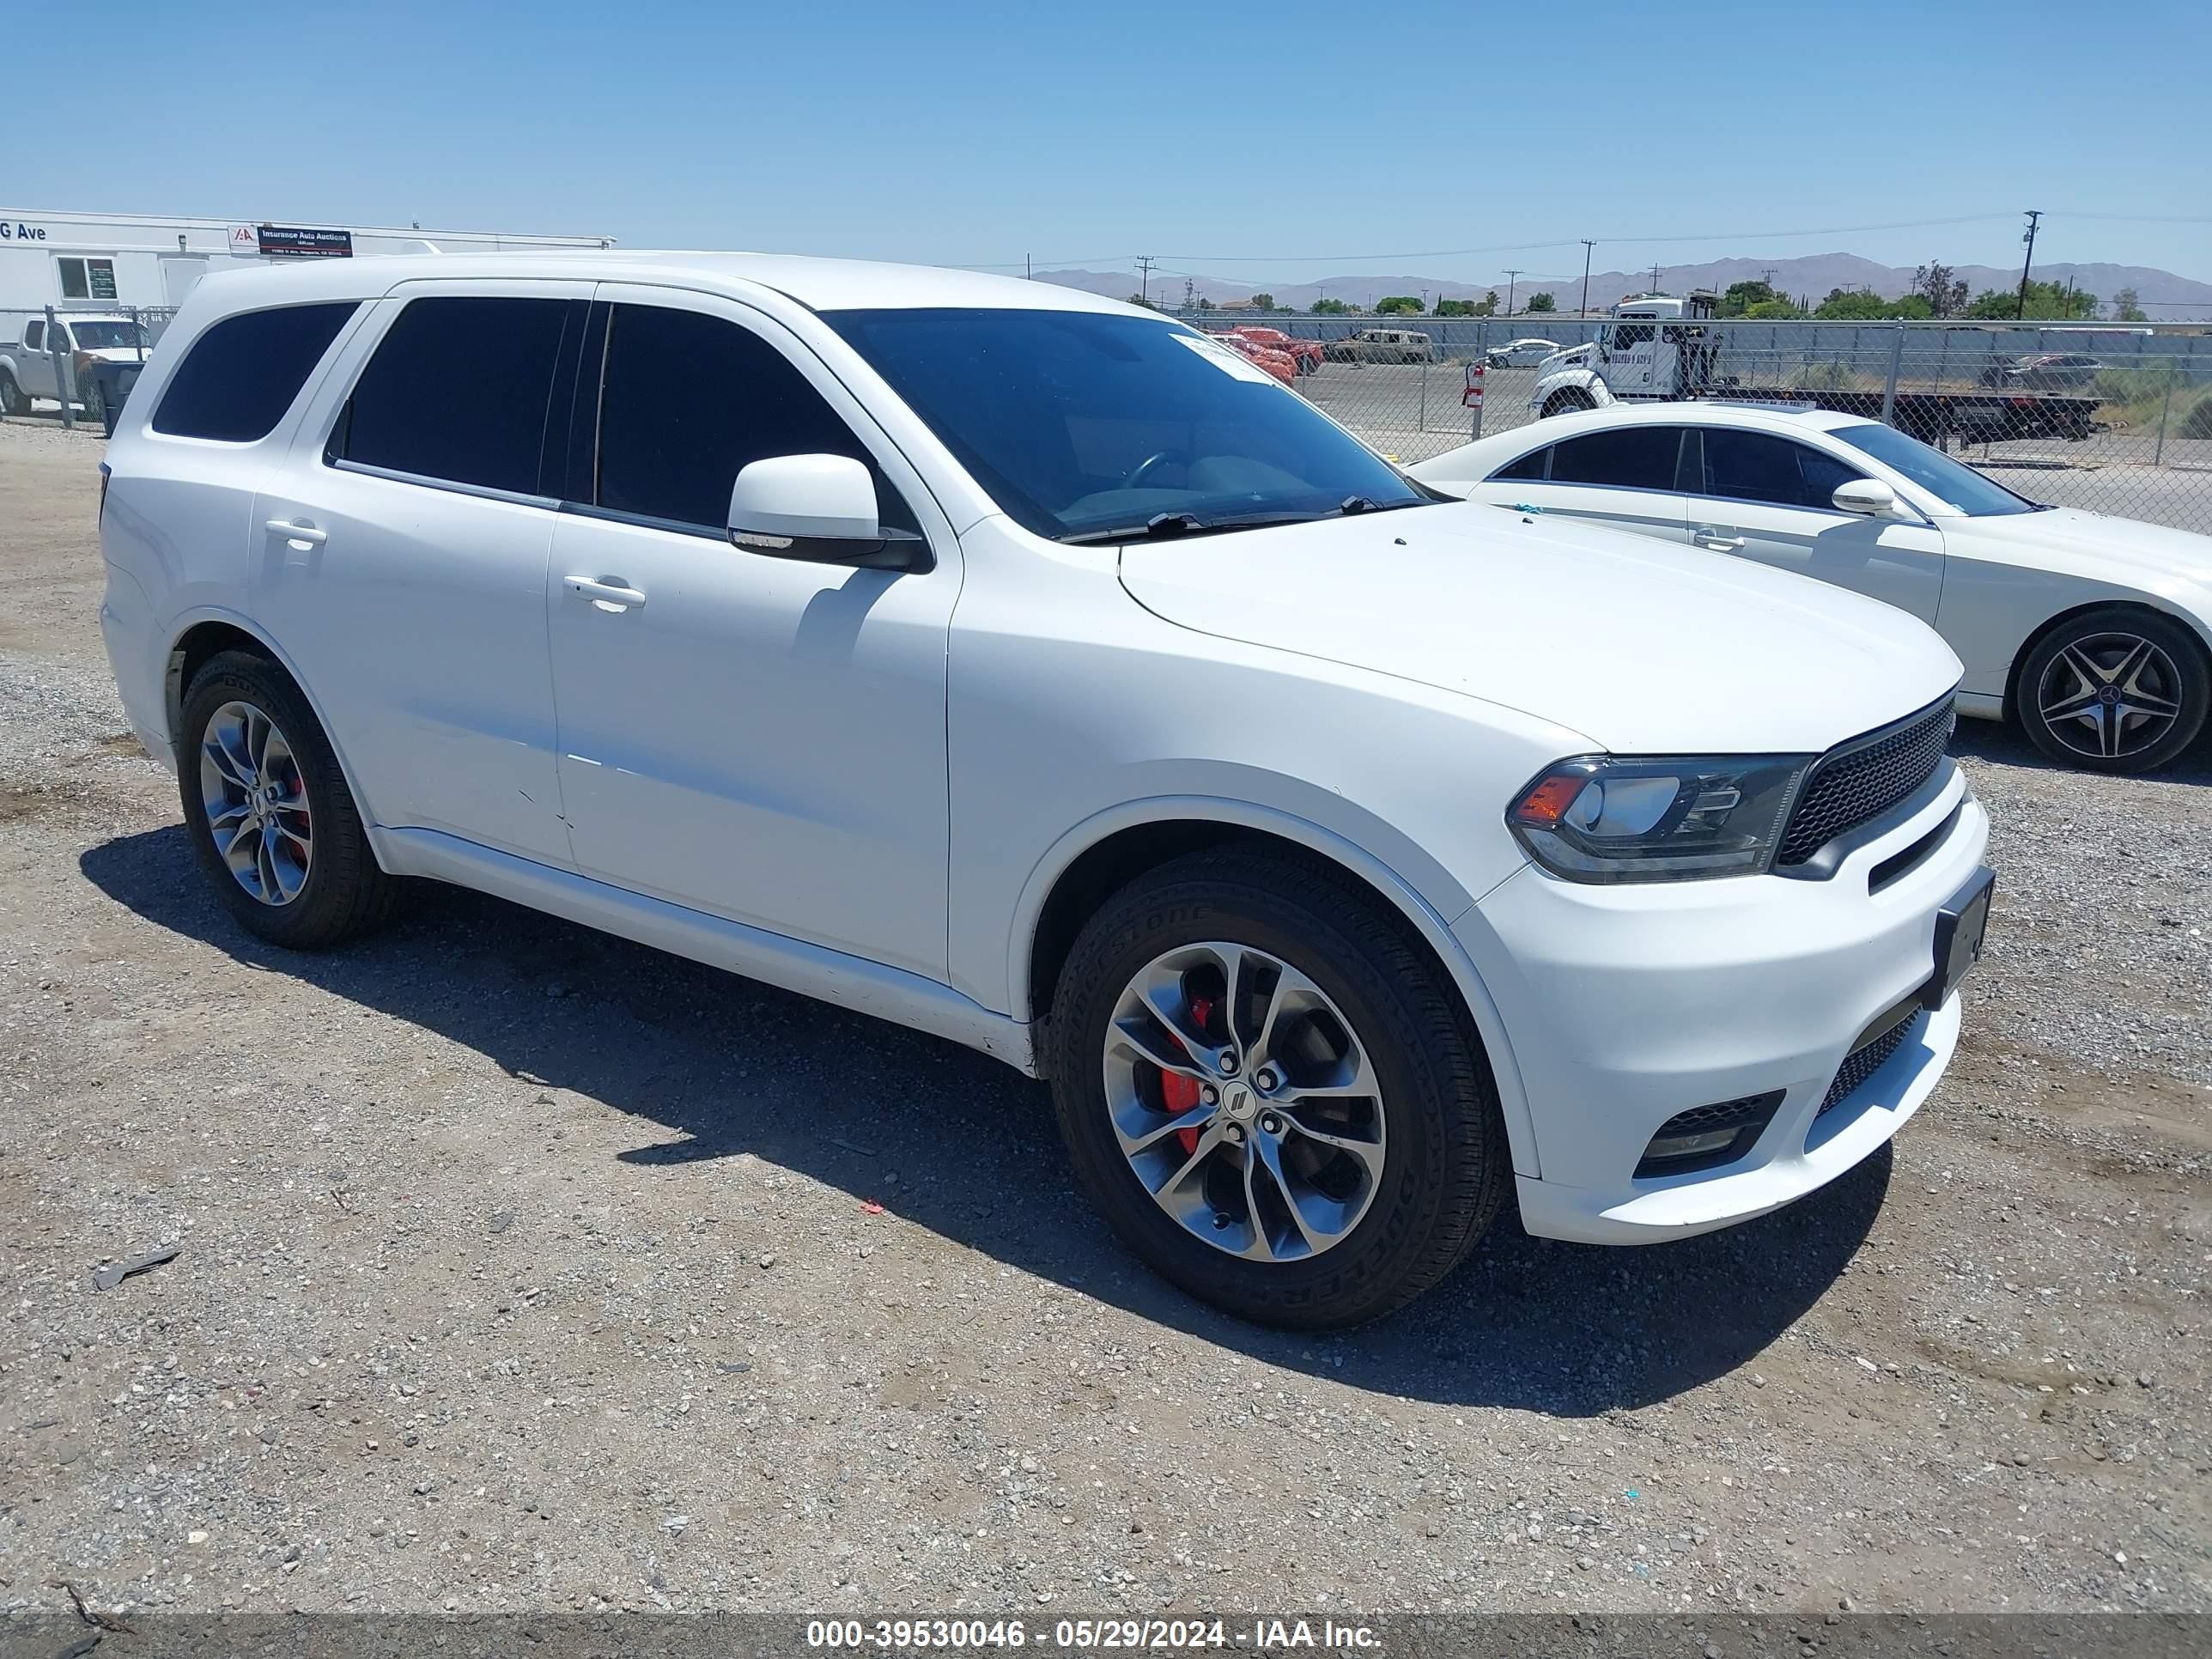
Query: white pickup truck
x=83 y=338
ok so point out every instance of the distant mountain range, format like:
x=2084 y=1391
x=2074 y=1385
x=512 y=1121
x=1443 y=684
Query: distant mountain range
x=2163 y=295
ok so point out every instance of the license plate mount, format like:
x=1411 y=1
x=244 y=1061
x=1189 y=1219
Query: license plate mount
x=1962 y=928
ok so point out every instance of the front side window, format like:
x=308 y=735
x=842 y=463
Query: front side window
x=1951 y=481
x=87 y=278
x=459 y=391
x=242 y=375
x=1085 y=425
x=1758 y=466
x=1627 y=457
x=690 y=401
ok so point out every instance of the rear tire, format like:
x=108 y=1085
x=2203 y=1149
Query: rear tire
x=1383 y=1235
x=2118 y=688
x=308 y=879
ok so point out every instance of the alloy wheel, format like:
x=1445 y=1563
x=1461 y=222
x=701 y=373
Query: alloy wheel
x=256 y=801
x=2110 y=696
x=1244 y=1102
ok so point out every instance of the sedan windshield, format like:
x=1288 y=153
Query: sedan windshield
x=1086 y=426
x=1949 y=480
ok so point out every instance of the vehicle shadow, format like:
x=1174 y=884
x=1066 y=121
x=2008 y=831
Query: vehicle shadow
x=2003 y=742
x=711 y=1065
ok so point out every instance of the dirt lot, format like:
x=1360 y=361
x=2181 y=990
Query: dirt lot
x=520 y=1268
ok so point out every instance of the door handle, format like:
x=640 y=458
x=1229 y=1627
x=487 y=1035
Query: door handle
x=296 y=532
x=1706 y=536
x=608 y=593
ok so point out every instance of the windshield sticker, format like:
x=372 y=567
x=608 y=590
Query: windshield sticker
x=1228 y=361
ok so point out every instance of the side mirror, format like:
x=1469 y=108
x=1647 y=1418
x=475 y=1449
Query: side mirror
x=821 y=508
x=1870 y=497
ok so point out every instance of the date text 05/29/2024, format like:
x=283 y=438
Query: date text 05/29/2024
x=1089 y=1635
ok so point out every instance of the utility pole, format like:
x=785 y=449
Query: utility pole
x=1511 y=278
x=1025 y=270
x=1586 y=245
x=2028 y=237
x=1145 y=264
x=1655 y=276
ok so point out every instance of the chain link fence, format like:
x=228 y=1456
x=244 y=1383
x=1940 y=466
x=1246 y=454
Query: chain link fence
x=2117 y=420
x=73 y=364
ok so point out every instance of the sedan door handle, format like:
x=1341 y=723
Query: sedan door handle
x=1706 y=536
x=607 y=593
x=296 y=532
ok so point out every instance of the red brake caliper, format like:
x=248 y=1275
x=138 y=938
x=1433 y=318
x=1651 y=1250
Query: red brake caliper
x=1179 y=1092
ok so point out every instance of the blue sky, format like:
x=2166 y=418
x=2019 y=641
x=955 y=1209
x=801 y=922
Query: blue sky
x=1277 y=142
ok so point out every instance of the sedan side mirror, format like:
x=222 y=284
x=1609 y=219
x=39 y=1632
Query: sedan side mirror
x=1871 y=498
x=821 y=508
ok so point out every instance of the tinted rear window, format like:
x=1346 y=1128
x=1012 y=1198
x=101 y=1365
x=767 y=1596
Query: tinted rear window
x=242 y=375
x=1529 y=467
x=1632 y=457
x=459 y=391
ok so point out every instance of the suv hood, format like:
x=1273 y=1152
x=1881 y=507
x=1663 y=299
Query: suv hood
x=1643 y=647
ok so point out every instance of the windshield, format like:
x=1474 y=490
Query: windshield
x=1081 y=424
x=104 y=336
x=1951 y=481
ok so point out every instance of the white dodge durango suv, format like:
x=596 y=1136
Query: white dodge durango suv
x=1020 y=666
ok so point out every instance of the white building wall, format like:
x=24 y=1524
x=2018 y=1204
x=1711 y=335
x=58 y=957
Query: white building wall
x=155 y=258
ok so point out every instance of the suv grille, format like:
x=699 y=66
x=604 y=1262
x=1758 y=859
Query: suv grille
x=1863 y=779
x=1863 y=1063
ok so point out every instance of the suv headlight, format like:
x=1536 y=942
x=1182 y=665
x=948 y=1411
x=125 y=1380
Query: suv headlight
x=1599 y=819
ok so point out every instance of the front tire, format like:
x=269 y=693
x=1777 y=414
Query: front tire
x=1567 y=400
x=1352 y=1151
x=268 y=809
x=12 y=400
x=2115 y=689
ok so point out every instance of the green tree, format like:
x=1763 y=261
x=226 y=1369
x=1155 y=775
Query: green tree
x=1394 y=304
x=1205 y=304
x=1329 y=308
x=1263 y=302
x=1489 y=305
x=1740 y=297
x=1857 y=305
x=2046 y=302
x=1459 y=308
x=1140 y=300
x=2127 y=307
x=1542 y=301
x=1769 y=310
x=1944 y=289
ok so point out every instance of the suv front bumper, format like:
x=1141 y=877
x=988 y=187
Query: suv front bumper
x=1626 y=1005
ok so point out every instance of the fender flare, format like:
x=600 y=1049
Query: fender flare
x=1432 y=925
x=1565 y=379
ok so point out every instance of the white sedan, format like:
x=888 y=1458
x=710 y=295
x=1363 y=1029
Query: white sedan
x=2094 y=633
x=1519 y=354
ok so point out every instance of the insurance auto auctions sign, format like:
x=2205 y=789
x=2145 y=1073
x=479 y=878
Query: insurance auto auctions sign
x=295 y=242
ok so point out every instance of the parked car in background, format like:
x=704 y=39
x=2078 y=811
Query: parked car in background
x=1519 y=354
x=1382 y=346
x=1280 y=364
x=2094 y=633
x=2046 y=372
x=1306 y=353
x=26 y=363
x=1021 y=667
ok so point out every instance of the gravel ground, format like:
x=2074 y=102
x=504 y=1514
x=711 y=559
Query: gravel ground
x=523 y=1269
